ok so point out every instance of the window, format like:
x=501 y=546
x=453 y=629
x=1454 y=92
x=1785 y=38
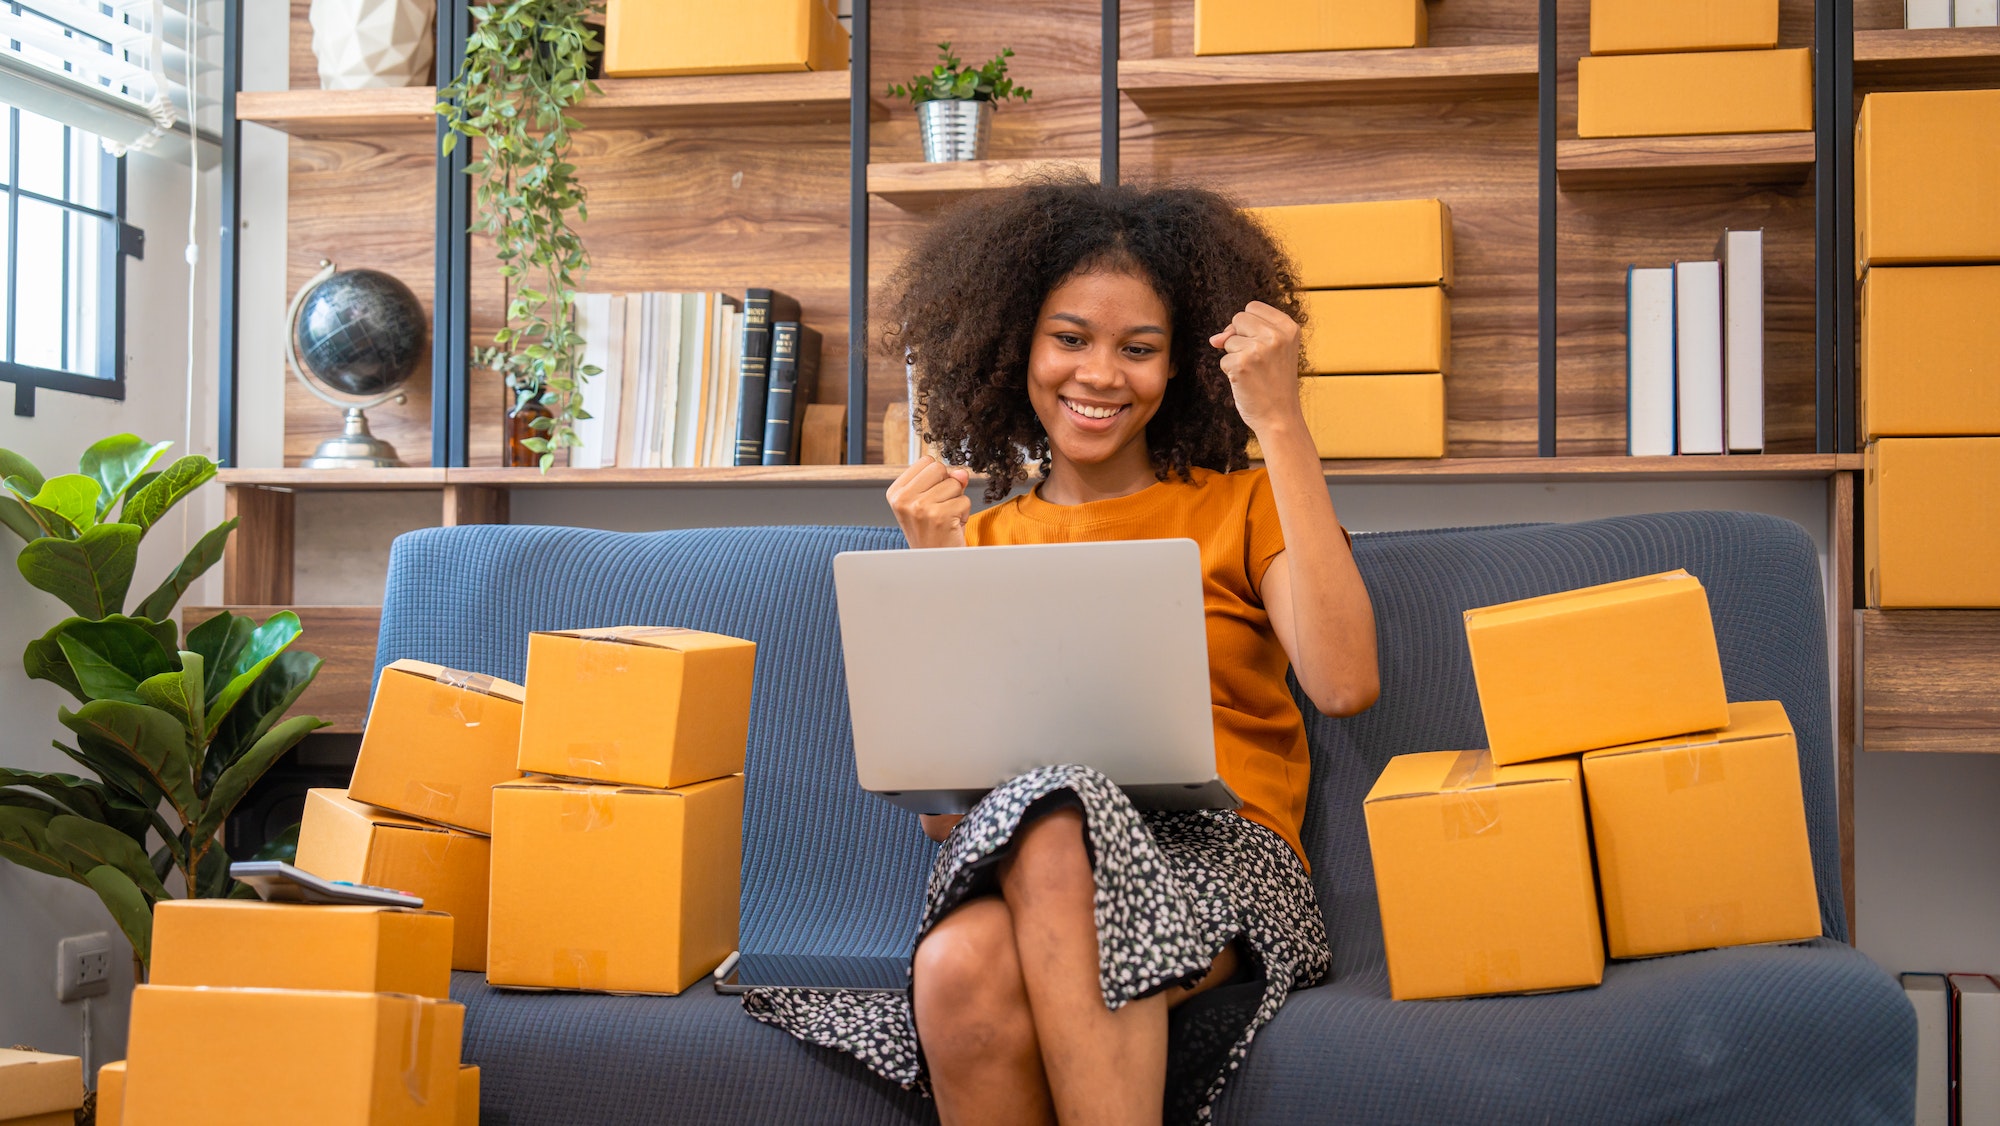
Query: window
x=61 y=277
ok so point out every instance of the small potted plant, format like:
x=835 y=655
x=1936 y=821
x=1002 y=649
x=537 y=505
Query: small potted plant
x=955 y=103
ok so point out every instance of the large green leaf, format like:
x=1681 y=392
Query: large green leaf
x=274 y=693
x=90 y=843
x=284 y=847
x=244 y=772
x=14 y=513
x=14 y=465
x=90 y=573
x=111 y=657
x=146 y=505
x=127 y=905
x=84 y=797
x=44 y=660
x=220 y=640
x=120 y=774
x=24 y=839
x=266 y=642
x=206 y=553
x=115 y=463
x=211 y=876
x=148 y=738
x=179 y=694
x=71 y=496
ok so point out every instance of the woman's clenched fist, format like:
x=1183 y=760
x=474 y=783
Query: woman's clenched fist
x=930 y=503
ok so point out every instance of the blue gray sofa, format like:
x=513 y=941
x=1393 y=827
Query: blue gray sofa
x=1789 y=1034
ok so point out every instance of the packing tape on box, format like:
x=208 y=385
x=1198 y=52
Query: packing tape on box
x=604 y=651
x=416 y=1055
x=587 y=810
x=592 y=760
x=579 y=968
x=1493 y=971
x=1694 y=765
x=468 y=704
x=428 y=800
x=1469 y=799
x=1713 y=924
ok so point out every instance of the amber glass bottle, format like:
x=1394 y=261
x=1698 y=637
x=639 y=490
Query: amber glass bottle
x=522 y=411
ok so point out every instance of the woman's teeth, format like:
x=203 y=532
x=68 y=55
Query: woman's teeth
x=1090 y=411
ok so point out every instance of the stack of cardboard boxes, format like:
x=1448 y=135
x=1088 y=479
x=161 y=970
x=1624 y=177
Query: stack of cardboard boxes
x=1255 y=27
x=1607 y=700
x=1926 y=232
x=1694 y=67
x=39 y=1088
x=1378 y=334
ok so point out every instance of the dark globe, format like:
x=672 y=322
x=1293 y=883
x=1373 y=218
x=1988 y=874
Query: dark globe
x=361 y=332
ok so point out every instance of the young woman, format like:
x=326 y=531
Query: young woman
x=1131 y=341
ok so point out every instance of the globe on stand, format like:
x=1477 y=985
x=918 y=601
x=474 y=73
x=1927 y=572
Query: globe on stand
x=354 y=337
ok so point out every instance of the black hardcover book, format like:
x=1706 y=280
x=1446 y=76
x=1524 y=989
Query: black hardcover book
x=761 y=309
x=794 y=379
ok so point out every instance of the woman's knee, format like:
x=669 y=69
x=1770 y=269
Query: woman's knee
x=967 y=988
x=1050 y=857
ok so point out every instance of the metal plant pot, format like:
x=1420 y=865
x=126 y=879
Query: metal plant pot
x=955 y=130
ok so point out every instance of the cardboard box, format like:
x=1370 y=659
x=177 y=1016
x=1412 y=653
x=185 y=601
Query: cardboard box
x=1931 y=523
x=1483 y=876
x=111 y=1094
x=52 y=1118
x=1361 y=245
x=342 y=839
x=1598 y=667
x=1930 y=351
x=1377 y=331
x=247 y=944
x=1619 y=27
x=1701 y=839
x=1924 y=168
x=303 y=1058
x=38 y=1083
x=650 y=706
x=468 y=1096
x=661 y=37
x=1255 y=27
x=618 y=889
x=1706 y=92
x=438 y=740
x=1354 y=416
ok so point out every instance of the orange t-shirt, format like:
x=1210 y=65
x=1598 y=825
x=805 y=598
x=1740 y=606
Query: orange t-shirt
x=1260 y=738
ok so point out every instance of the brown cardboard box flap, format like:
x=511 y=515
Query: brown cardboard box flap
x=678 y=638
x=457 y=678
x=38 y=1083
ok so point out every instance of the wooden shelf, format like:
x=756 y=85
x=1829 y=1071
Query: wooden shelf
x=1587 y=164
x=1929 y=55
x=920 y=185
x=335 y=480
x=720 y=99
x=1316 y=77
x=1930 y=680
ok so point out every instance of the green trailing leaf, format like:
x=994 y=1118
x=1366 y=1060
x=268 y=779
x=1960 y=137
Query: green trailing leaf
x=89 y=844
x=127 y=905
x=148 y=738
x=15 y=465
x=274 y=693
x=206 y=553
x=179 y=694
x=144 y=507
x=244 y=772
x=116 y=463
x=220 y=640
x=90 y=574
x=265 y=643
x=24 y=839
x=111 y=657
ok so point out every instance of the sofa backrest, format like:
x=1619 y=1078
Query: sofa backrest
x=828 y=869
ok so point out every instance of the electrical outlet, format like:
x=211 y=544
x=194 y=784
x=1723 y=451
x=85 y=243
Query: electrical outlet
x=83 y=966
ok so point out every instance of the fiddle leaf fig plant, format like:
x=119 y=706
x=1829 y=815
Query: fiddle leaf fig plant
x=952 y=80
x=173 y=730
x=526 y=64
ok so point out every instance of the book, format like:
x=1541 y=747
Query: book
x=1974 y=13
x=1698 y=356
x=600 y=320
x=1926 y=13
x=1742 y=256
x=632 y=336
x=1930 y=996
x=686 y=386
x=761 y=309
x=1649 y=361
x=1975 y=1057
x=794 y=379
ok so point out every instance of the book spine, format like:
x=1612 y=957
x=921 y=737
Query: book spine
x=1698 y=355
x=1649 y=362
x=1974 y=13
x=1926 y=13
x=753 y=382
x=1742 y=255
x=778 y=398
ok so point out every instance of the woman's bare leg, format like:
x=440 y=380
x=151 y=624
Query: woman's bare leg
x=974 y=1023
x=1102 y=1066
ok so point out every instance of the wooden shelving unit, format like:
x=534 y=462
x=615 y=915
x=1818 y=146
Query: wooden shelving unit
x=918 y=186
x=1328 y=76
x=1586 y=164
x=1945 y=56
x=1930 y=680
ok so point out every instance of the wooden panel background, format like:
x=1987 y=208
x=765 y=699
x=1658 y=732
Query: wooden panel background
x=1930 y=681
x=1600 y=233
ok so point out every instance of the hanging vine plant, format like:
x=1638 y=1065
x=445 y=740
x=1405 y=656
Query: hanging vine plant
x=526 y=63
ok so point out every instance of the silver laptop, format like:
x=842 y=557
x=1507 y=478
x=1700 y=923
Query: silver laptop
x=969 y=666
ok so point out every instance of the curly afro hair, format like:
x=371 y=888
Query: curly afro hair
x=969 y=295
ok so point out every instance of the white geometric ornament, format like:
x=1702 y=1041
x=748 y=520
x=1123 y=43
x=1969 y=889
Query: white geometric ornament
x=363 y=44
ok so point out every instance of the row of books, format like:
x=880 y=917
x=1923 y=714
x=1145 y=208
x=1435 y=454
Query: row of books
x=1950 y=13
x=1694 y=352
x=1958 y=1047
x=693 y=379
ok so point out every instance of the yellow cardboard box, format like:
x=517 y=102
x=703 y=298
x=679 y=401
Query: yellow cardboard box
x=303 y=1058
x=1931 y=523
x=1925 y=164
x=1377 y=331
x=1701 y=839
x=1255 y=27
x=342 y=839
x=1698 y=93
x=619 y=889
x=661 y=37
x=111 y=1094
x=245 y=944
x=1354 y=416
x=1483 y=876
x=1361 y=245
x=33 y=1084
x=1619 y=27
x=1597 y=667
x=52 y=1118
x=438 y=740
x=468 y=1096
x=652 y=706
x=1930 y=351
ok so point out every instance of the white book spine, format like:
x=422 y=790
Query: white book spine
x=630 y=338
x=1926 y=13
x=1649 y=362
x=1977 y=1001
x=649 y=375
x=687 y=395
x=611 y=377
x=1974 y=13
x=593 y=321
x=1698 y=355
x=1931 y=998
x=1742 y=256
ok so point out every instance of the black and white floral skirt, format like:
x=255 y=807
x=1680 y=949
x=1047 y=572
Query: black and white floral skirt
x=1173 y=889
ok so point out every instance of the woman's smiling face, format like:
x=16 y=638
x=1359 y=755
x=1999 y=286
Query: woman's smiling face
x=1098 y=367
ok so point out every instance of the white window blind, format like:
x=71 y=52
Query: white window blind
x=140 y=74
